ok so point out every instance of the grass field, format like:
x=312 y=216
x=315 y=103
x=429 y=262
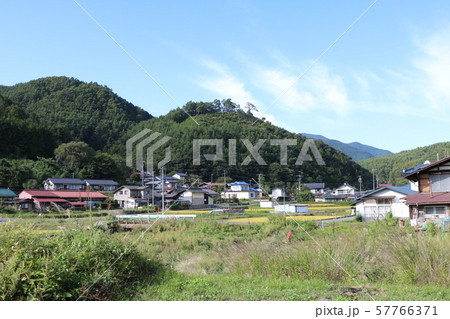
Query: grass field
x=48 y=259
x=208 y=259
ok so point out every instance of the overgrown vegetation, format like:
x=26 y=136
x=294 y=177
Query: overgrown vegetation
x=208 y=260
x=76 y=263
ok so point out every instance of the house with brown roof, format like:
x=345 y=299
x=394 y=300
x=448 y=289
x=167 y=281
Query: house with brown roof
x=432 y=181
x=44 y=199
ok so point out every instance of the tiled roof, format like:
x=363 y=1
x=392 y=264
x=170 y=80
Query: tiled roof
x=106 y=182
x=75 y=181
x=238 y=183
x=405 y=190
x=60 y=194
x=315 y=185
x=6 y=192
x=428 y=198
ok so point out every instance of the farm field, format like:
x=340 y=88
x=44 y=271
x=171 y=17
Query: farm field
x=207 y=260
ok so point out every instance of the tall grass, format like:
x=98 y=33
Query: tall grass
x=63 y=266
x=395 y=258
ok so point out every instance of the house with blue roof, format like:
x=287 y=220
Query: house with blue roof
x=240 y=190
x=376 y=204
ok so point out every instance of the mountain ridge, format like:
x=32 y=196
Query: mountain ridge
x=357 y=151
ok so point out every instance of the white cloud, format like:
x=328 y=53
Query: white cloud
x=435 y=68
x=317 y=90
x=225 y=84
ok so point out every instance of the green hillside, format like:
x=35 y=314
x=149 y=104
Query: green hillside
x=45 y=114
x=389 y=168
x=220 y=120
x=21 y=137
x=75 y=110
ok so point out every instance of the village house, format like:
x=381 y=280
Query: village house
x=44 y=199
x=7 y=194
x=432 y=202
x=315 y=188
x=8 y=198
x=278 y=192
x=198 y=197
x=133 y=196
x=57 y=184
x=376 y=204
x=240 y=190
x=101 y=184
x=181 y=177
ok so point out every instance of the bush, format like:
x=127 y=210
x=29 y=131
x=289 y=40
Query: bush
x=63 y=267
x=359 y=218
x=431 y=229
x=8 y=210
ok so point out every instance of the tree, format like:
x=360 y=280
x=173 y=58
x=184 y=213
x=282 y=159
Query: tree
x=74 y=154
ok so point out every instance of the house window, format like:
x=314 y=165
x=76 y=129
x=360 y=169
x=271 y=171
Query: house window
x=25 y=206
x=435 y=210
x=120 y=192
x=383 y=201
x=440 y=183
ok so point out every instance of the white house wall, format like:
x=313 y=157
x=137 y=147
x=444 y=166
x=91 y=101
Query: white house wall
x=397 y=208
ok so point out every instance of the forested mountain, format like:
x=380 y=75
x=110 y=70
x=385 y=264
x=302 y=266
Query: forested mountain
x=20 y=137
x=389 y=168
x=46 y=123
x=355 y=150
x=224 y=120
x=75 y=110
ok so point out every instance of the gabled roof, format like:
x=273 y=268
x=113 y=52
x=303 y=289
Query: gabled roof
x=106 y=182
x=404 y=190
x=73 y=181
x=238 y=183
x=315 y=185
x=6 y=192
x=409 y=173
x=180 y=174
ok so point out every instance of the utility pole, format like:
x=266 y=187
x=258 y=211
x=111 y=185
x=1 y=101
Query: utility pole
x=212 y=178
x=360 y=182
x=299 y=183
x=373 y=178
x=163 y=186
x=153 y=188
x=142 y=173
x=224 y=180
x=377 y=181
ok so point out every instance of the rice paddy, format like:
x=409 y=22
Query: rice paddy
x=265 y=219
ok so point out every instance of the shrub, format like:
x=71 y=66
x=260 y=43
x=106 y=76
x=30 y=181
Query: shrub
x=62 y=267
x=359 y=218
x=431 y=229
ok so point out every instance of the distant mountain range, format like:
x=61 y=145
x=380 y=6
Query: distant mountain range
x=355 y=150
x=389 y=168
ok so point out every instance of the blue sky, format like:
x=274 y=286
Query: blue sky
x=385 y=83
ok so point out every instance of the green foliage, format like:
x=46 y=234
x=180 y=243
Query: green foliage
x=304 y=196
x=389 y=168
x=431 y=229
x=359 y=218
x=74 y=154
x=237 y=125
x=76 y=110
x=63 y=267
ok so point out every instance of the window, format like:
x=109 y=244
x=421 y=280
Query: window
x=25 y=206
x=440 y=183
x=435 y=210
x=383 y=201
